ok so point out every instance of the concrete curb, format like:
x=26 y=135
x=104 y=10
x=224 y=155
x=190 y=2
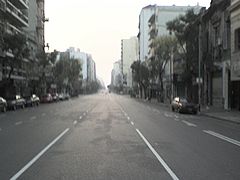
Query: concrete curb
x=219 y=118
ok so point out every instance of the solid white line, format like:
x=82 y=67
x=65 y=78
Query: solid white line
x=18 y=123
x=164 y=164
x=132 y=123
x=28 y=165
x=189 y=124
x=233 y=141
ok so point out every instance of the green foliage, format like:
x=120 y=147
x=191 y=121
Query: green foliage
x=17 y=45
x=186 y=30
x=67 y=72
x=140 y=74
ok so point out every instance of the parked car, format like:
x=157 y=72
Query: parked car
x=47 y=98
x=64 y=96
x=55 y=97
x=183 y=105
x=3 y=105
x=15 y=102
x=32 y=100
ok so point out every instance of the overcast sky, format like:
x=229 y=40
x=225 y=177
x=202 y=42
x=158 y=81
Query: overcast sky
x=97 y=26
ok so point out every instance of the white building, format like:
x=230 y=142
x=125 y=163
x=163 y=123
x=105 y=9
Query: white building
x=163 y=14
x=129 y=55
x=82 y=57
x=91 y=69
x=116 y=76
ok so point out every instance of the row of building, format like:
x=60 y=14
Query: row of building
x=88 y=66
x=33 y=74
x=27 y=18
x=218 y=82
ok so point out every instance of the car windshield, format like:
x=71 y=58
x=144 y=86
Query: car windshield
x=184 y=100
x=120 y=89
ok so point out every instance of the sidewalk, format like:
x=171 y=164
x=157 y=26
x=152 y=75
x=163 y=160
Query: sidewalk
x=220 y=114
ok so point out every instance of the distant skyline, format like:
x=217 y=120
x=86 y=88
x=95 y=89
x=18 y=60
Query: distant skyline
x=97 y=27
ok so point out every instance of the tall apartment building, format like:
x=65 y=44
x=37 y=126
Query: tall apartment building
x=116 y=74
x=13 y=18
x=129 y=55
x=160 y=16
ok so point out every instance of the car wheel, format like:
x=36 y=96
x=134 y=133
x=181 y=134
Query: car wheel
x=195 y=112
x=4 y=109
x=173 y=109
x=179 y=110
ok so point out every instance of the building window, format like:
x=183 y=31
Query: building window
x=237 y=39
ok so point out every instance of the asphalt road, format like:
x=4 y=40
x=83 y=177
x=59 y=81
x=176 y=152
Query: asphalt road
x=107 y=136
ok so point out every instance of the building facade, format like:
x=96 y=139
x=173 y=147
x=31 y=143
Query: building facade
x=129 y=55
x=216 y=54
x=116 y=74
x=235 y=54
x=13 y=19
x=158 y=16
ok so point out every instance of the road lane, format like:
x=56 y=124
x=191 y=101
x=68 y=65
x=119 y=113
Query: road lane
x=190 y=152
x=22 y=141
x=104 y=146
x=102 y=142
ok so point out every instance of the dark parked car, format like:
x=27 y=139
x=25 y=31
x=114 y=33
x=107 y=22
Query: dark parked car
x=15 y=102
x=183 y=105
x=3 y=105
x=32 y=100
x=47 y=98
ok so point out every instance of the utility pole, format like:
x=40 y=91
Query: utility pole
x=171 y=74
x=199 y=61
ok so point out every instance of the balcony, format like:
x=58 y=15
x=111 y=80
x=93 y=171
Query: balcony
x=21 y=4
x=16 y=16
x=2 y=5
x=10 y=29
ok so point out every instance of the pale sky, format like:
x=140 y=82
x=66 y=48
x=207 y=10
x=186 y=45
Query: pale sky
x=97 y=26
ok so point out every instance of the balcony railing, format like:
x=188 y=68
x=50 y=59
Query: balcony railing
x=12 y=29
x=2 y=5
x=17 y=14
x=21 y=4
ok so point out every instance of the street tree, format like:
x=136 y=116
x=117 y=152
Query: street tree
x=164 y=47
x=67 y=73
x=17 y=45
x=141 y=76
x=185 y=28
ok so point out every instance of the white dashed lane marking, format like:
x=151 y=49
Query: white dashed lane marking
x=225 y=138
x=18 y=123
x=132 y=123
x=33 y=118
x=80 y=117
x=189 y=124
x=75 y=122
